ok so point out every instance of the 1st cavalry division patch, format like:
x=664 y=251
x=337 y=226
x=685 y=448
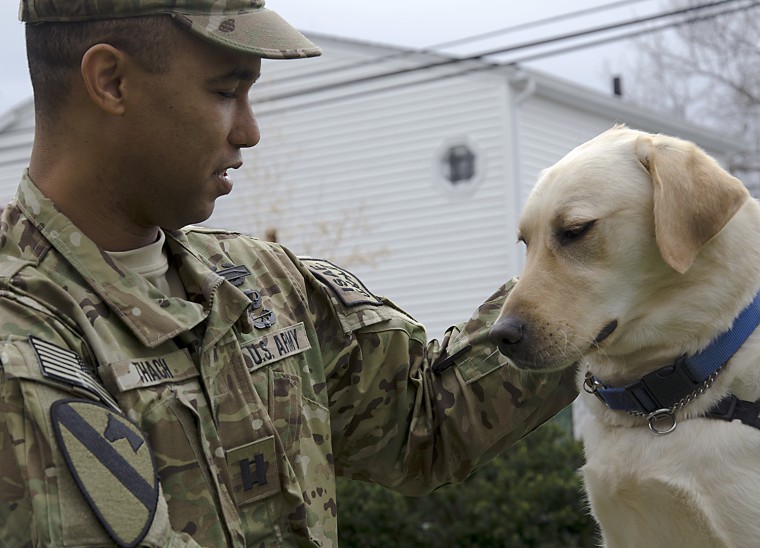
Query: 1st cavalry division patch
x=111 y=463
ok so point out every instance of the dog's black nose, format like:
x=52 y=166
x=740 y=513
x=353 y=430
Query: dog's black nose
x=506 y=333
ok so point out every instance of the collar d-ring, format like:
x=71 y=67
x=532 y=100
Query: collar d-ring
x=662 y=421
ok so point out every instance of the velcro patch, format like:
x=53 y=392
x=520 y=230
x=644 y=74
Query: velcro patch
x=348 y=288
x=112 y=465
x=253 y=469
x=63 y=365
x=144 y=372
x=276 y=346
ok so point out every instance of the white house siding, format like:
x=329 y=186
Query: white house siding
x=16 y=134
x=357 y=181
x=549 y=130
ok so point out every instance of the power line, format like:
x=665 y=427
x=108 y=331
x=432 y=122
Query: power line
x=485 y=65
x=633 y=34
x=533 y=24
x=432 y=50
x=482 y=55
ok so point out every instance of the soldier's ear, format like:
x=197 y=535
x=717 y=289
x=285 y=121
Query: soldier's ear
x=103 y=70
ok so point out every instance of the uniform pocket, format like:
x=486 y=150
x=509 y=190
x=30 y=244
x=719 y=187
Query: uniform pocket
x=165 y=396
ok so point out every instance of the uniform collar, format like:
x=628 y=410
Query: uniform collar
x=152 y=316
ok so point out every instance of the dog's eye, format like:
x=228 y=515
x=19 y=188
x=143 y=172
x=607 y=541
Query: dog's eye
x=575 y=232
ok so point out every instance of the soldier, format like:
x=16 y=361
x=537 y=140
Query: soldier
x=172 y=386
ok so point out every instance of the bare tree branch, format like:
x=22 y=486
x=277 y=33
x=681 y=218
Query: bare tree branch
x=708 y=72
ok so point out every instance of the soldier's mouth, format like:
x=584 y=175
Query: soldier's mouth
x=224 y=180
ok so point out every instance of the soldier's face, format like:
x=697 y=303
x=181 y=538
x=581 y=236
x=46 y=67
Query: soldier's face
x=185 y=132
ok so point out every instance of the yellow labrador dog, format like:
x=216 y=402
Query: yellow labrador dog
x=642 y=269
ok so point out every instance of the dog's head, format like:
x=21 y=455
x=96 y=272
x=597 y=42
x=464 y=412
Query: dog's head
x=616 y=236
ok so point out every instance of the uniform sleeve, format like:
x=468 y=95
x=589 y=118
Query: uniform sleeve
x=41 y=501
x=414 y=415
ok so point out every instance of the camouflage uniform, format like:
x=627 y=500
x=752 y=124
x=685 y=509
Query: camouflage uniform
x=274 y=376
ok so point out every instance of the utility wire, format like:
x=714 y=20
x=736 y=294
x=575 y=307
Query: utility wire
x=489 y=53
x=532 y=24
x=634 y=34
x=433 y=49
x=487 y=66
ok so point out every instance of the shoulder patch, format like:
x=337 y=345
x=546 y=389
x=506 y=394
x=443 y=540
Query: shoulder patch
x=63 y=365
x=112 y=465
x=347 y=287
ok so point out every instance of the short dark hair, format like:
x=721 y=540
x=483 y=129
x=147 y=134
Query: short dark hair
x=55 y=51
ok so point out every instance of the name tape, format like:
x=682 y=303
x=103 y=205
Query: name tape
x=276 y=346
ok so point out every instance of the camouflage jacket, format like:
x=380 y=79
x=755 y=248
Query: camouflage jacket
x=130 y=417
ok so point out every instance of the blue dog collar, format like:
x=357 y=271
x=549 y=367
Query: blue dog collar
x=662 y=390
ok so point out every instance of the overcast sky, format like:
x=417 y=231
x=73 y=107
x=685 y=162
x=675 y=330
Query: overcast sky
x=416 y=24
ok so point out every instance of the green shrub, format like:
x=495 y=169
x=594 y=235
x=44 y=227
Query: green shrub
x=530 y=496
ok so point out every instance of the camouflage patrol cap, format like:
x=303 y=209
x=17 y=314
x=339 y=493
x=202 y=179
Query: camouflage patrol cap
x=242 y=25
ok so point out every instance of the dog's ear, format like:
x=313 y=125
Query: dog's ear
x=694 y=197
